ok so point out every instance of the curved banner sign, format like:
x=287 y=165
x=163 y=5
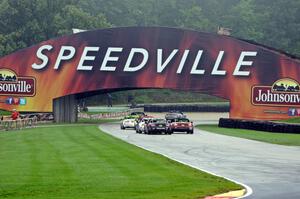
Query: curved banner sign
x=260 y=83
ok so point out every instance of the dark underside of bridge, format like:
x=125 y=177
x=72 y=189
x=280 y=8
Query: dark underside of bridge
x=65 y=109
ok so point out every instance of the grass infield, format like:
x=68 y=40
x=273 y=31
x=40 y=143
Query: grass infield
x=78 y=162
x=295 y=120
x=274 y=138
x=4 y=113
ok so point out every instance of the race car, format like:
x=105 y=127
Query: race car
x=155 y=126
x=140 y=127
x=180 y=125
x=137 y=114
x=174 y=114
x=128 y=122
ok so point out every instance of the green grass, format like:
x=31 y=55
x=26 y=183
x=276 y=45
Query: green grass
x=294 y=120
x=78 y=162
x=3 y=112
x=274 y=138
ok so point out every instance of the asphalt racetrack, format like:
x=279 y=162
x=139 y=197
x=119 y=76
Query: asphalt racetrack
x=272 y=171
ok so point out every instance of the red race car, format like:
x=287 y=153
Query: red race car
x=180 y=125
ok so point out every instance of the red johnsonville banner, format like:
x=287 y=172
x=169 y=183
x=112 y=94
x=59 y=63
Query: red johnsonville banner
x=259 y=82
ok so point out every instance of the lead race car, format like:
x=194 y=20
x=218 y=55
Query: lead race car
x=171 y=115
x=130 y=121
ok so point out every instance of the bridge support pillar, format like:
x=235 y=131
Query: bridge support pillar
x=65 y=109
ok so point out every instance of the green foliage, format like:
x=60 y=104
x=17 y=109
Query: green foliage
x=27 y=22
x=153 y=96
x=274 y=138
x=3 y=112
x=73 y=17
x=295 y=120
x=82 y=162
x=275 y=23
x=245 y=21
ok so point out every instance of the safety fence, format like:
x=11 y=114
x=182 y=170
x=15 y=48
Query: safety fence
x=18 y=124
x=223 y=107
x=103 y=115
x=109 y=115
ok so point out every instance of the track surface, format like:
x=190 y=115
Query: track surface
x=272 y=171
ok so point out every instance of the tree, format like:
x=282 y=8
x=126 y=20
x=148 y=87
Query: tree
x=27 y=22
x=73 y=17
x=245 y=21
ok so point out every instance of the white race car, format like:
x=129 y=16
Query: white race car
x=128 y=123
x=140 y=127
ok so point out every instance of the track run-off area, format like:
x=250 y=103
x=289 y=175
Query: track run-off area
x=270 y=171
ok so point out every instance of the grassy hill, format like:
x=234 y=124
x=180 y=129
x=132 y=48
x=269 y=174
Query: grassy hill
x=153 y=96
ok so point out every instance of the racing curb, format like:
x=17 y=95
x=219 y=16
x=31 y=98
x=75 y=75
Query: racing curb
x=228 y=195
x=248 y=190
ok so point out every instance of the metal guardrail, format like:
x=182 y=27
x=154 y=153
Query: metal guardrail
x=18 y=124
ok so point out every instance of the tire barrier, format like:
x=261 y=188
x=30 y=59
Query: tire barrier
x=188 y=108
x=18 y=124
x=273 y=127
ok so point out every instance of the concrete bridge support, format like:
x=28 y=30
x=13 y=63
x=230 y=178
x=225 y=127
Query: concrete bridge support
x=65 y=109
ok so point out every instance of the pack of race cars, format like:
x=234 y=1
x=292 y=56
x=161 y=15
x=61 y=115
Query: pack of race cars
x=174 y=121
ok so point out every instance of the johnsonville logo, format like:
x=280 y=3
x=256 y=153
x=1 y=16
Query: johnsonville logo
x=284 y=92
x=12 y=85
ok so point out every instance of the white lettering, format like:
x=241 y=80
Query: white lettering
x=84 y=57
x=42 y=56
x=195 y=65
x=13 y=88
x=183 y=60
x=161 y=66
x=257 y=99
x=216 y=70
x=109 y=58
x=61 y=56
x=241 y=63
x=28 y=88
x=268 y=96
x=144 y=52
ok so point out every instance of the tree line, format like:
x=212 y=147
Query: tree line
x=271 y=22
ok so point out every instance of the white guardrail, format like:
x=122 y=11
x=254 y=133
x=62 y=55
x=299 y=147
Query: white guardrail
x=108 y=115
x=103 y=115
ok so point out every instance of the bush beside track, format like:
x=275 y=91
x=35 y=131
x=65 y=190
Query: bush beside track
x=268 y=126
